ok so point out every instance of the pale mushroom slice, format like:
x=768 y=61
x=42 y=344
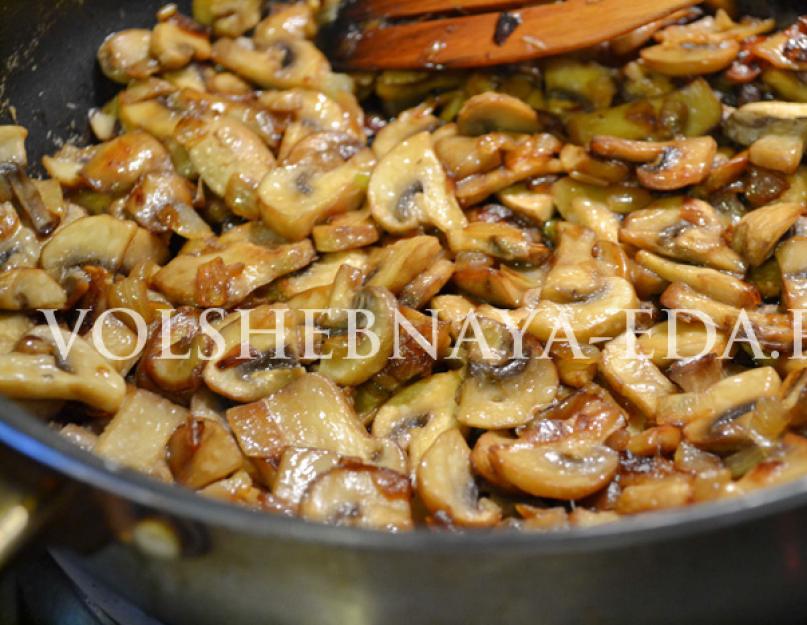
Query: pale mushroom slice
x=781 y=153
x=298 y=469
x=691 y=339
x=347 y=231
x=37 y=369
x=751 y=122
x=718 y=285
x=317 y=112
x=297 y=19
x=407 y=124
x=427 y=285
x=255 y=366
x=116 y=165
x=634 y=376
x=417 y=415
x=491 y=111
x=30 y=289
x=692 y=232
x=758 y=232
x=398 y=264
x=602 y=314
x=574 y=273
x=228 y=18
x=312 y=412
x=447 y=487
x=294 y=198
x=200 y=452
x=125 y=55
x=791 y=257
x=504 y=389
x=360 y=496
x=178 y=40
x=12 y=145
x=463 y=157
x=13 y=326
x=409 y=188
x=657 y=493
x=499 y=240
x=137 y=435
x=533 y=205
x=580 y=204
x=98 y=240
x=226 y=277
x=370 y=353
x=569 y=469
x=230 y=158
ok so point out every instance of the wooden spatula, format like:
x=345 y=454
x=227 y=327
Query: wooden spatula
x=413 y=34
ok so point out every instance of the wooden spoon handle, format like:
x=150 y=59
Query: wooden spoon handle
x=543 y=30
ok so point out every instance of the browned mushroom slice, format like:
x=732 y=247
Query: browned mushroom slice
x=296 y=19
x=369 y=353
x=467 y=156
x=200 y=452
x=30 y=289
x=684 y=163
x=298 y=469
x=692 y=233
x=695 y=55
x=570 y=469
x=787 y=464
x=409 y=188
x=137 y=435
x=116 y=165
x=600 y=314
x=318 y=113
x=417 y=415
x=447 y=487
x=311 y=411
x=294 y=198
x=225 y=278
x=428 y=284
x=489 y=112
x=345 y=232
x=751 y=122
x=360 y=496
x=502 y=286
x=696 y=374
x=661 y=439
x=721 y=286
x=760 y=230
x=398 y=264
x=655 y=494
x=126 y=55
x=791 y=257
x=253 y=367
x=38 y=370
x=777 y=152
x=634 y=376
x=574 y=274
x=542 y=519
x=502 y=389
x=164 y=203
x=499 y=240
x=177 y=41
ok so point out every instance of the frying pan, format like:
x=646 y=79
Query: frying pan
x=185 y=559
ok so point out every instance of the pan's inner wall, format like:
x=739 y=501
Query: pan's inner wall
x=48 y=75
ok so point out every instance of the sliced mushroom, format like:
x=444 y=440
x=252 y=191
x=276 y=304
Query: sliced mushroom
x=655 y=494
x=505 y=390
x=297 y=20
x=759 y=230
x=322 y=273
x=253 y=367
x=396 y=265
x=694 y=55
x=718 y=285
x=777 y=152
x=425 y=286
x=360 y=496
x=164 y=203
x=317 y=112
x=370 y=356
x=298 y=469
x=447 y=487
x=294 y=198
x=137 y=435
x=499 y=240
x=200 y=452
x=791 y=257
x=226 y=277
x=491 y=112
x=177 y=41
x=692 y=232
x=417 y=415
x=231 y=159
x=345 y=232
x=12 y=145
x=312 y=412
x=409 y=188
x=535 y=206
x=407 y=124
x=788 y=463
x=125 y=55
x=118 y=340
x=37 y=370
x=97 y=240
x=30 y=289
x=600 y=314
x=751 y=122
x=502 y=286
x=574 y=274
x=229 y=18
x=13 y=326
x=684 y=163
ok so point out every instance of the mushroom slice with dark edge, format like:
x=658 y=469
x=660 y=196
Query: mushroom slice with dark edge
x=163 y=202
x=125 y=55
x=294 y=198
x=758 y=232
x=499 y=240
x=96 y=240
x=695 y=55
x=691 y=232
x=137 y=435
x=397 y=264
x=312 y=412
x=116 y=165
x=751 y=122
x=505 y=390
x=271 y=361
x=226 y=277
x=634 y=376
x=369 y=358
x=36 y=370
x=298 y=469
x=43 y=220
x=685 y=163
x=489 y=112
x=417 y=415
x=409 y=188
x=791 y=257
x=200 y=452
x=360 y=496
x=718 y=285
x=447 y=487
